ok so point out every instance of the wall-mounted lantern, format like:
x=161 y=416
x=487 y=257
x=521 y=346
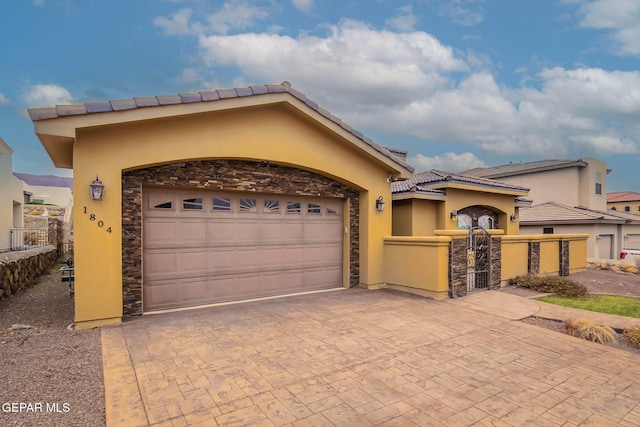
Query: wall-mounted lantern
x=513 y=217
x=380 y=204
x=97 y=189
x=454 y=215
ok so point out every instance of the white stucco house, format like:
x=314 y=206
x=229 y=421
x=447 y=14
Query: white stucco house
x=11 y=197
x=47 y=189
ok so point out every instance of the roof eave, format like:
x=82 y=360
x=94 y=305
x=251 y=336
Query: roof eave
x=576 y=163
x=477 y=187
x=52 y=129
x=410 y=195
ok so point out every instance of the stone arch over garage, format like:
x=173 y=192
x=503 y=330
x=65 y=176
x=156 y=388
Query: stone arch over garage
x=223 y=175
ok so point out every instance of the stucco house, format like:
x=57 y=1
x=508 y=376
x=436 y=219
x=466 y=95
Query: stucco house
x=569 y=196
x=11 y=197
x=47 y=189
x=624 y=201
x=227 y=195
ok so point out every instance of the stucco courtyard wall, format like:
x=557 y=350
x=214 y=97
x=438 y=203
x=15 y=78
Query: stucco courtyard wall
x=421 y=264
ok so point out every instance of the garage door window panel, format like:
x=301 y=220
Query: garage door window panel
x=194 y=203
x=272 y=206
x=248 y=206
x=221 y=204
x=294 y=207
x=160 y=201
x=314 y=209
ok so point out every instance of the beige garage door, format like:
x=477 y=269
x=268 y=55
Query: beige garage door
x=632 y=241
x=203 y=247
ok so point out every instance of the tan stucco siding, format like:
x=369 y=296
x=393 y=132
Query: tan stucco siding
x=634 y=207
x=418 y=264
x=515 y=255
x=274 y=134
x=561 y=185
x=402 y=218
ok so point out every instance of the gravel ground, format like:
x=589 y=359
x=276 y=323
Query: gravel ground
x=53 y=364
x=48 y=366
x=596 y=282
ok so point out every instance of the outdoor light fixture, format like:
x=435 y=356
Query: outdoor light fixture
x=380 y=204
x=513 y=217
x=454 y=215
x=97 y=189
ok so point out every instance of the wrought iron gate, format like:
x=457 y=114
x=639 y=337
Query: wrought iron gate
x=478 y=259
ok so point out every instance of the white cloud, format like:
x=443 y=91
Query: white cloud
x=233 y=15
x=353 y=63
x=408 y=83
x=447 y=162
x=48 y=95
x=177 y=25
x=3 y=99
x=620 y=17
x=405 y=21
x=303 y=5
x=463 y=12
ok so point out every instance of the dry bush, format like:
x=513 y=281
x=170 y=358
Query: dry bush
x=633 y=335
x=583 y=328
x=34 y=212
x=551 y=284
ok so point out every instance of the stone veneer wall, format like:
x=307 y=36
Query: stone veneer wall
x=564 y=258
x=533 y=263
x=458 y=268
x=20 y=268
x=223 y=175
x=496 y=263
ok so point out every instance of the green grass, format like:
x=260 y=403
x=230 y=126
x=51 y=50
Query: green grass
x=610 y=304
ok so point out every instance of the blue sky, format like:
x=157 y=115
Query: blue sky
x=458 y=83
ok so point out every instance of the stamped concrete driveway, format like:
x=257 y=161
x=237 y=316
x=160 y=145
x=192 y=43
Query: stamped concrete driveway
x=359 y=358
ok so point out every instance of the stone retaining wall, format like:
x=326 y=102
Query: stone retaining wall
x=18 y=269
x=612 y=264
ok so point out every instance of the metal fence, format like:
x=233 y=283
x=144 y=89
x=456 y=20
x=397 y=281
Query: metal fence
x=28 y=238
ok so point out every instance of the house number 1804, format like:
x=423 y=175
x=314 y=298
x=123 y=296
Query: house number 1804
x=92 y=217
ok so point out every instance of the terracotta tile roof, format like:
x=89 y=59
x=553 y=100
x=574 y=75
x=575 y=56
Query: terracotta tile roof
x=623 y=196
x=512 y=169
x=37 y=114
x=433 y=178
x=552 y=212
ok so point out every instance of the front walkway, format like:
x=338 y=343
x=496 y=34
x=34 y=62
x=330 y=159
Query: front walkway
x=358 y=358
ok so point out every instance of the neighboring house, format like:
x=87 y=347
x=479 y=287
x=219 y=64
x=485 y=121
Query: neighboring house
x=624 y=201
x=47 y=189
x=609 y=231
x=243 y=193
x=584 y=181
x=569 y=196
x=11 y=197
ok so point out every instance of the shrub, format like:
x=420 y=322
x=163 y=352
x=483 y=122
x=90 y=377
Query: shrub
x=551 y=284
x=34 y=212
x=633 y=335
x=583 y=328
